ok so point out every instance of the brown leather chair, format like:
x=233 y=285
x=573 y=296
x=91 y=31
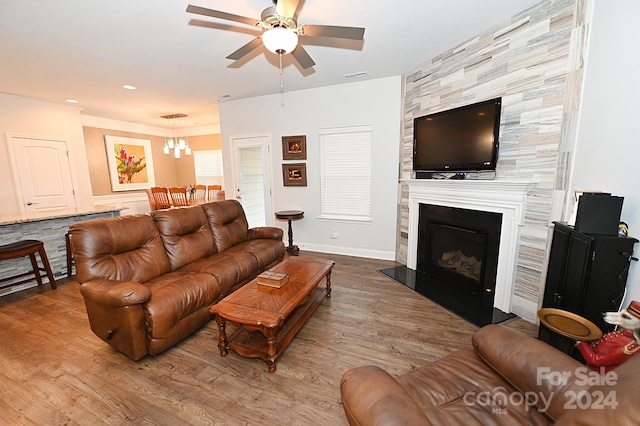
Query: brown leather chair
x=179 y=196
x=503 y=378
x=161 y=197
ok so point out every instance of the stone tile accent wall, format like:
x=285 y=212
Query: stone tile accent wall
x=535 y=63
x=52 y=233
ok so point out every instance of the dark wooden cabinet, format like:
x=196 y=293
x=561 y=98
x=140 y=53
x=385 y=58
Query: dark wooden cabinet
x=587 y=275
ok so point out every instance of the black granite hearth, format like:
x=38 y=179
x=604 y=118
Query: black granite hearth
x=475 y=308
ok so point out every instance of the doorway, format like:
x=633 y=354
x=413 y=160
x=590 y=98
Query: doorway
x=42 y=174
x=253 y=178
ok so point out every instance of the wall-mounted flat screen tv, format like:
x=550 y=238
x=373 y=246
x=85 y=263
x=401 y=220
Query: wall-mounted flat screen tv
x=463 y=139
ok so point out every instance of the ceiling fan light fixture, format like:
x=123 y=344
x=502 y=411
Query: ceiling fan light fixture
x=280 y=40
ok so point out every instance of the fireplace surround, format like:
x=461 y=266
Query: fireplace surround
x=507 y=198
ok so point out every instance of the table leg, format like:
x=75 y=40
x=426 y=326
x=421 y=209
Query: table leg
x=290 y=234
x=270 y=334
x=223 y=344
x=293 y=250
x=329 y=284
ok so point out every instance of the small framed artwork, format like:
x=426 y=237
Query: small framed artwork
x=294 y=174
x=294 y=147
x=130 y=163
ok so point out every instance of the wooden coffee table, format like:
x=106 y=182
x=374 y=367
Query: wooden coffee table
x=268 y=317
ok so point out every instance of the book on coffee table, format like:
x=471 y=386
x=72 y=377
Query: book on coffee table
x=273 y=279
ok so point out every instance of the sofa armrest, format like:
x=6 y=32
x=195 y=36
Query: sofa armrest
x=110 y=293
x=116 y=314
x=530 y=365
x=371 y=396
x=265 y=232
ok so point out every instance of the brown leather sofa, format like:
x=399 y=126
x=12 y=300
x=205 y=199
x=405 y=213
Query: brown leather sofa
x=507 y=378
x=148 y=281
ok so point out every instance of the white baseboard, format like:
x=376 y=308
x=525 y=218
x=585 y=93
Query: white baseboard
x=348 y=251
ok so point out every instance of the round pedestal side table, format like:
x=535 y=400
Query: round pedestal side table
x=290 y=215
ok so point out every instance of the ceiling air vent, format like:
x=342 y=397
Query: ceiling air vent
x=355 y=75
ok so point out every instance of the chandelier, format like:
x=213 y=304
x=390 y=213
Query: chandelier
x=175 y=143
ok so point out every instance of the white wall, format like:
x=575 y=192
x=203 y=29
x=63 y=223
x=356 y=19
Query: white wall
x=608 y=151
x=21 y=116
x=374 y=102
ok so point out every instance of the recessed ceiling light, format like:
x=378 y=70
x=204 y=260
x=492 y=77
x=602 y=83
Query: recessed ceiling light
x=72 y=101
x=129 y=87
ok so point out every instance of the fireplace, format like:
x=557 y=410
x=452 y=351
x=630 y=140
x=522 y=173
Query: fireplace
x=457 y=259
x=507 y=198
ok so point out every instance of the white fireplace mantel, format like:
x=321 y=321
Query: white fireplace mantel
x=505 y=197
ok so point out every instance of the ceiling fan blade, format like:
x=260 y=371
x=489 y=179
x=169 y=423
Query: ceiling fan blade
x=220 y=15
x=352 y=33
x=223 y=26
x=302 y=57
x=287 y=8
x=246 y=49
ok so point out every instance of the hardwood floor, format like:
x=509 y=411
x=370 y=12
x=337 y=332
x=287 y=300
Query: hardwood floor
x=56 y=371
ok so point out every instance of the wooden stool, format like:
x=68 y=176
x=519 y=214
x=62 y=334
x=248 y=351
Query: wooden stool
x=27 y=248
x=70 y=259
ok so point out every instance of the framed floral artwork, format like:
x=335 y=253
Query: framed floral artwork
x=294 y=147
x=130 y=163
x=294 y=174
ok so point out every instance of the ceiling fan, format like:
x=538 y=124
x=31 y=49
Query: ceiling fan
x=281 y=31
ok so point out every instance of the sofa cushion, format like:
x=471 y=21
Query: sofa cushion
x=185 y=233
x=179 y=304
x=229 y=268
x=613 y=400
x=460 y=389
x=525 y=363
x=125 y=248
x=267 y=252
x=371 y=396
x=228 y=223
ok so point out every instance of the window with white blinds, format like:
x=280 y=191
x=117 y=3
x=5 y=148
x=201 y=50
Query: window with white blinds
x=208 y=166
x=345 y=173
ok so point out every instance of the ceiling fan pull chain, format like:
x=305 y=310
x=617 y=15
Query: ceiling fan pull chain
x=281 y=78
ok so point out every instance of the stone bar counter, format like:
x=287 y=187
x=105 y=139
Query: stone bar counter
x=48 y=227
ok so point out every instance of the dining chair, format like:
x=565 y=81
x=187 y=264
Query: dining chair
x=161 y=197
x=152 y=201
x=212 y=192
x=179 y=196
x=199 y=194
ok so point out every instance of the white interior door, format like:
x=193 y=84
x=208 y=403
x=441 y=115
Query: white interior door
x=43 y=174
x=252 y=179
